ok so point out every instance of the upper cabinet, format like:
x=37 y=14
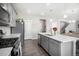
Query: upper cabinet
x=4 y=15
x=13 y=15
x=9 y=15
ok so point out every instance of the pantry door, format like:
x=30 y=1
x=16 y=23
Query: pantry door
x=28 y=29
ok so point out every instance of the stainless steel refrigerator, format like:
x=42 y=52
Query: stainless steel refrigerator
x=19 y=29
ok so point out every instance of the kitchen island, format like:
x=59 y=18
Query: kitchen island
x=58 y=45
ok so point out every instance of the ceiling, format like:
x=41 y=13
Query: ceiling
x=56 y=10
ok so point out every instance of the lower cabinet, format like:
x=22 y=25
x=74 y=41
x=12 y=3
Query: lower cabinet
x=43 y=42
x=39 y=37
x=56 y=48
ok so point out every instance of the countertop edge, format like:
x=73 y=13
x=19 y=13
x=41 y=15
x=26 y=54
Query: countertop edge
x=61 y=41
x=5 y=51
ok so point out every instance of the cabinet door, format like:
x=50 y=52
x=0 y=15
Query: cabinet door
x=12 y=16
x=10 y=12
x=41 y=41
x=54 y=48
x=45 y=43
x=4 y=15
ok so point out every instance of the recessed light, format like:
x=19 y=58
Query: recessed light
x=65 y=16
x=48 y=4
x=70 y=21
x=42 y=13
x=51 y=20
x=73 y=21
x=28 y=11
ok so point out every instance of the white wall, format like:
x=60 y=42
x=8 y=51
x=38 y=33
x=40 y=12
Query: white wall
x=32 y=27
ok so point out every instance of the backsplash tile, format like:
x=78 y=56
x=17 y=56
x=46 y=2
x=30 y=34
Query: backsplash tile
x=6 y=30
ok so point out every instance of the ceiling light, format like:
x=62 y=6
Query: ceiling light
x=51 y=20
x=65 y=16
x=70 y=21
x=42 y=13
x=73 y=21
x=28 y=11
x=48 y=4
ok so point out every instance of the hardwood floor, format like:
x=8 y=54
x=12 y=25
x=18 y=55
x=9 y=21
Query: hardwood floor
x=31 y=48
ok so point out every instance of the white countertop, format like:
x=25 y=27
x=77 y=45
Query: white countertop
x=17 y=35
x=61 y=38
x=5 y=51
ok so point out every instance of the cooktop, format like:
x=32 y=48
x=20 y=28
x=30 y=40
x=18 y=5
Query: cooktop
x=7 y=42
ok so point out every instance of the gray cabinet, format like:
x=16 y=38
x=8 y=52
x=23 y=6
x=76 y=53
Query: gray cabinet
x=4 y=15
x=7 y=15
x=43 y=41
x=54 y=47
x=39 y=39
x=13 y=15
x=60 y=49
